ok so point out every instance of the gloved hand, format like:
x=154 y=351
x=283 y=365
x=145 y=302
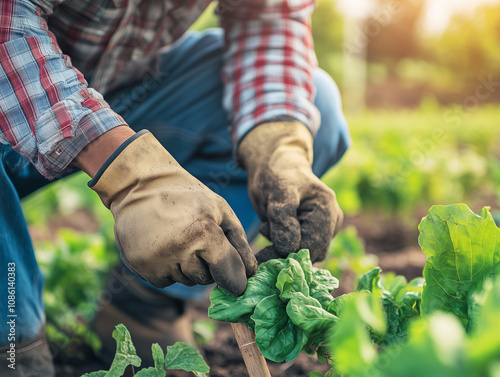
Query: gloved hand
x=169 y=227
x=298 y=211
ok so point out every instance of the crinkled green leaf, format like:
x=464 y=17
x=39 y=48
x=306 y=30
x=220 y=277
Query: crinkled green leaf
x=322 y=286
x=462 y=251
x=275 y=334
x=159 y=360
x=399 y=317
x=184 y=356
x=396 y=326
x=393 y=283
x=263 y=306
x=308 y=314
x=352 y=348
x=125 y=352
x=410 y=304
x=291 y=280
x=229 y=308
x=400 y=311
x=397 y=313
x=338 y=303
x=371 y=282
x=325 y=279
x=323 y=296
x=415 y=287
x=304 y=259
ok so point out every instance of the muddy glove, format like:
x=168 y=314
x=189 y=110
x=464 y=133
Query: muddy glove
x=169 y=227
x=298 y=211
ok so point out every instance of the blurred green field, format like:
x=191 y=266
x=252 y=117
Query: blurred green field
x=408 y=159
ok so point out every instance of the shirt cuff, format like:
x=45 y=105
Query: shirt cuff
x=75 y=123
x=276 y=108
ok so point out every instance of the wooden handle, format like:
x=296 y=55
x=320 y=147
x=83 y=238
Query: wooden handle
x=254 y=361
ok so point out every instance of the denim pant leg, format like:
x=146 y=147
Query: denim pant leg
x=182 y=107
x=27 y=314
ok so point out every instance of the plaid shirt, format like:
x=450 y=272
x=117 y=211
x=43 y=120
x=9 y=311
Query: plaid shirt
x=50 y=48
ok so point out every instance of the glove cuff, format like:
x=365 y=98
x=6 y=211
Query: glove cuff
x=113 y=156
x=138 y=160
x=270 y=141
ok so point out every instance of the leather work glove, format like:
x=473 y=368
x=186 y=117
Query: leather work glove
x=169 y=227
x=298 y=211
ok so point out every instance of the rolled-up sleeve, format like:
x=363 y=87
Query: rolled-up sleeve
x=268 y=63
x=47 y=112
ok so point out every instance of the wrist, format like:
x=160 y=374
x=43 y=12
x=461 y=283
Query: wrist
x=94 y=155
x=276 y=143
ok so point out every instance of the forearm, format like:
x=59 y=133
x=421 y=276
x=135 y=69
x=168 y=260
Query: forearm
x=93 y=156
x=48 y=113
x=268 y=64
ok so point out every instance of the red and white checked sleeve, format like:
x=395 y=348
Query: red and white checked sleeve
x=268 y=63
x=47 y=112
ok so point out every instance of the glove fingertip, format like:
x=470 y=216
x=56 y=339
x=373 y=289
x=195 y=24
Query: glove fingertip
x=265 y=229
x=251 y=266
x=229 y=271
x=241 y=246
x=266 y=254
x=236 y=287
x=338 y=224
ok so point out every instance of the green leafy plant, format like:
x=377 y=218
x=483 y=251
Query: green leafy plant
x=400 y=302
x=80 y=261
x=179 y=356
x=461 y=292
x=288 y=304
x=70 y=258
x=285 y=304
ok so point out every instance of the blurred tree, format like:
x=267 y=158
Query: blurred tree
x=327 y=29
x=470 y=46
x=392 y=30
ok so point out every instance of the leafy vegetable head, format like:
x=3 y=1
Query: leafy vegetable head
x=285 y=303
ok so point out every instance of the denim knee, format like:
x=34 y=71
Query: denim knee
x=333 y=137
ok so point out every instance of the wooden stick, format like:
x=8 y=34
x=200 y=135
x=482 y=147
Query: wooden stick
x=254 y=361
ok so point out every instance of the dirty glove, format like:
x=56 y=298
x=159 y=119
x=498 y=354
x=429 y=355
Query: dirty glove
x=169 y=227
x=298 y=211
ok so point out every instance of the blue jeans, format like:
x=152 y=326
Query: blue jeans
x=182 y=107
